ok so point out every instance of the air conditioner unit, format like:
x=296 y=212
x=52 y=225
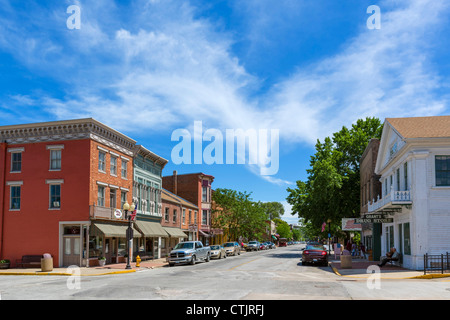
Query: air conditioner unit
x=55 y=204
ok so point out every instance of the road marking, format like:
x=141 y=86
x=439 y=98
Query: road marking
x=243 y=264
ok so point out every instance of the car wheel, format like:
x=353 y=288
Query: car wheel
x=171 y=264
x=207 y=258
x=193 y=260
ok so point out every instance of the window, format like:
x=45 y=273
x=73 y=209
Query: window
x=102 y=161
x=113 y=169
x=55 y=159
x=407 y=239
x=124 y=169
x=183 y=218
x=398 y=179
x=205 y=217
x=405 y=173
x=15 y=198
x=174 y=215
x=204 y=194
x=190 y=217
x=166 y=215
x=112 y=198
x=101 y=196
x=123 y=198
x=442 y=170
x=55 y=196
x=16 y=162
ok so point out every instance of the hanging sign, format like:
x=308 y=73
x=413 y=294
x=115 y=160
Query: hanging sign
x=118 y=213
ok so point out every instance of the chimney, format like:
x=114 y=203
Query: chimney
x=175 y=182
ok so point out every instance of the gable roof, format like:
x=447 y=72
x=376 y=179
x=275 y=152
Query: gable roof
x=422 y=127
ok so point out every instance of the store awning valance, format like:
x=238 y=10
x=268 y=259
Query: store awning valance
x=175 y=232
x=204 y=233
x=151 y=229
x=114 y=230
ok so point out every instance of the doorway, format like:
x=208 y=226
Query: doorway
x=71 y=250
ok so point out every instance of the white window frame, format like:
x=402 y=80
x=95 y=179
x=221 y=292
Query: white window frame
x=14 y=184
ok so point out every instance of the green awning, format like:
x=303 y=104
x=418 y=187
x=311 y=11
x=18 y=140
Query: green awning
x=175 y=232
x=114 y=230
x=151 y=229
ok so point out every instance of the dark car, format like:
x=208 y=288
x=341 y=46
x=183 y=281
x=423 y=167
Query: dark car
x=315 y=253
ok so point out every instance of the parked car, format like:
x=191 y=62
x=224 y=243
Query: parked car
x=232 y=248
x=217 y=251
x=262 y=246
x=253 y=246
x=189 y=252
x=283 y=242
x=315 y=253
x=270 y=245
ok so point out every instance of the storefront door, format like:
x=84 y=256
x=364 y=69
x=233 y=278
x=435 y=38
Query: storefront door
x=71 y=250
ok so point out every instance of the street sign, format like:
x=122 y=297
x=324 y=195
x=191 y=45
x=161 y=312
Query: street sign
x=374 y=220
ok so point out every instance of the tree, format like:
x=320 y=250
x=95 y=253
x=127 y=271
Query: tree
x=238 y=214
x=283 y=229
x=332 y=189
x=273 y=210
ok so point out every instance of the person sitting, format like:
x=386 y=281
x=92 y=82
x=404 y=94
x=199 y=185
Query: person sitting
x=390 y=256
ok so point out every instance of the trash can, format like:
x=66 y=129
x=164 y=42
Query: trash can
x=346 y=261
x=47 y=262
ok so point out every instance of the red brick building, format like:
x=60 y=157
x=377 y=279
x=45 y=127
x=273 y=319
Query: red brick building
x=177 y=214
x=196 y=188
x=61 y=184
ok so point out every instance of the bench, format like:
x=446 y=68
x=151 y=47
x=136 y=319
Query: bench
x=397 y=262
x=29 y=261
x=143 y=255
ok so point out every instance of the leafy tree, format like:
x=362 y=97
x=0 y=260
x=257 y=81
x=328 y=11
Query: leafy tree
x=273 y=210
x=332 y=189
x=238 y=214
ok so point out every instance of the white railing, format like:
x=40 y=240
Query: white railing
x=394 y=197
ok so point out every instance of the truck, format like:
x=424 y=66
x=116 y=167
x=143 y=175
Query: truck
x=189 y=252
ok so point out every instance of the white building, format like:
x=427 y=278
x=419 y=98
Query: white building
x=414 y=164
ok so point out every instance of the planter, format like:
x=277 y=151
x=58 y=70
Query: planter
x=101 y=263
x=5 y=265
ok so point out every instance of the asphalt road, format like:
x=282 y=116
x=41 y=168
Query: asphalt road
x=266 y=275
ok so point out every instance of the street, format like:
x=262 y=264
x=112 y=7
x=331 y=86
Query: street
x=265 y=275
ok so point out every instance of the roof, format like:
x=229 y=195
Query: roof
x=169 y=196
x=422 y=127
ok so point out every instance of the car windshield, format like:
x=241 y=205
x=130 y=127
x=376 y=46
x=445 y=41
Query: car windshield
x=215 y=247
x=229 y=244
x=184 y=245
x=314 y=247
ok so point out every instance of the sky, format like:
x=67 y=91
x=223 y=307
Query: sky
x=299 y=68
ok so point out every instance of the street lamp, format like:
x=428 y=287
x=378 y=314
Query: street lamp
x=126 y=208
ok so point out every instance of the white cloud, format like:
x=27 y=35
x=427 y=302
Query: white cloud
x=167 y=68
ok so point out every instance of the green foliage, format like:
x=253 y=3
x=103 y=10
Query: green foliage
x=332 y=189
x=239 y=215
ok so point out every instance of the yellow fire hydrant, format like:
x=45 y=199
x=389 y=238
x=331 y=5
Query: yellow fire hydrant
x=138 y=262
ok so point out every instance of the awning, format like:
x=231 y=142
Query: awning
x=114 y=230
x=151 y=229
x=203 y=233
x=175 y=232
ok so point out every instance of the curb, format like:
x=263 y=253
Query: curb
x=427 y=277
x=37 y=273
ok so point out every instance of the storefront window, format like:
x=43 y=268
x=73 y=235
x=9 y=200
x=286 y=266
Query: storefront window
x=122 y=247
x=95 y=246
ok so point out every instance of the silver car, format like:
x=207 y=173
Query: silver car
x=217 y=251
x=232 y=248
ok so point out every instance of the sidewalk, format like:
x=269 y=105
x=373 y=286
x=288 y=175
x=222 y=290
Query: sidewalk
x=118 y=268
x=359 y=270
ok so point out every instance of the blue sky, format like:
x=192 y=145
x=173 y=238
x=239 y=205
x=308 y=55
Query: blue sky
x=146 y=68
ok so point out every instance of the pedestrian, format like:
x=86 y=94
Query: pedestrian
x=363 y=250
x=390 y=256
x=353 y=249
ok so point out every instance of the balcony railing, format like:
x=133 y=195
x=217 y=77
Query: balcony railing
x=393 y=198
x=106 y=213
